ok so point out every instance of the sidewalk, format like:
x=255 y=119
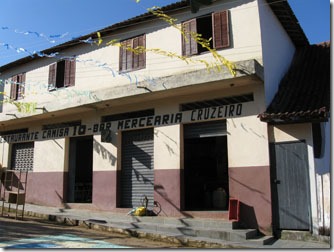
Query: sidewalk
x=196 y=232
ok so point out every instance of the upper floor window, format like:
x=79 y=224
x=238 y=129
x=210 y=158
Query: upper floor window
x=17 y=86
x=215 y=26
x=62 y=74
x=130 y=60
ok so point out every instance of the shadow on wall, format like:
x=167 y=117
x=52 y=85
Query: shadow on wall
x=159 y=189
x=104 y=153
x=247 y=216
x=65 y=205
x=12 y=181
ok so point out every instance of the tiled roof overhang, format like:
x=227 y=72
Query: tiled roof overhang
x=304 y=92
x=281 y=9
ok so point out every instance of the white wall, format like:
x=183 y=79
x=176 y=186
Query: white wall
x=277 y=50
x=97 y=66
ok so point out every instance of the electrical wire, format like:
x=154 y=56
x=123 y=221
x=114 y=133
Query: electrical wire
x=154 y=26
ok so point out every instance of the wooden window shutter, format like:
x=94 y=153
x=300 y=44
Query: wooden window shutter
x=189 y=45
x=142 y=56
x=52 y=76
x=128 y=53
x=13 y=88
x=135 y=56
x=122 y=57
x=69 y=75
x=125 y=56
x=220 y=29
x=21 y=86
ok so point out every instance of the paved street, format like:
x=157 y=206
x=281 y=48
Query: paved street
x=37 y=233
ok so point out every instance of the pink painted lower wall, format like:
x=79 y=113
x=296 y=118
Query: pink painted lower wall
x=45 y=188
x=104 y=189
x=167 y=191
x=251 y=186
x=49 y=189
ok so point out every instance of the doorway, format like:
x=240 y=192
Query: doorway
x=137 y=172
x=290 y=186
x=205 y=167
x=80 y=170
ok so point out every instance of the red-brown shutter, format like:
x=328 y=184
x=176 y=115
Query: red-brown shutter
x=189 y=45
x=220 y=29
x=52 y=75
x=121 y=57
x=13 y=88
x=21 y=86
x=128 y=53
x=135 y=56
x=125 y=56
x=142 y=56
x=69 y=75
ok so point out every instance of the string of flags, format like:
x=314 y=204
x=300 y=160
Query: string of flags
x=98 y=41
x=49 y=38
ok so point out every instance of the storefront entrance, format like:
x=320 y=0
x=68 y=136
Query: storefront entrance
x=205 y=166
x=80 y=170
x=137 y=174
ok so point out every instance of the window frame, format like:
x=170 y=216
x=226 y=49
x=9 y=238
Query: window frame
x=17 y=87
x=62 y=74
x=220 y=33
x=131 y=61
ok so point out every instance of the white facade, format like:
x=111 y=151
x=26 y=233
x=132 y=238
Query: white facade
x=261 y=50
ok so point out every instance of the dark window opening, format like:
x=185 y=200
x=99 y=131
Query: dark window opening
x=12 y=132
x=214 y=26
x=62 y=74
x=128 y=115
x=317 y=140
x=204 y=27
x=205 y=171
x=61 y=125
x=217 y=102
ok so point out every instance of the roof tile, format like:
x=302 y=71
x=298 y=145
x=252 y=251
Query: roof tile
x=304 y=92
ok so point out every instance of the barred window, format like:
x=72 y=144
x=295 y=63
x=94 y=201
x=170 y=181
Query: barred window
x=22 y=156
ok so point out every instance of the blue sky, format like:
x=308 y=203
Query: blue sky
x=73 y=18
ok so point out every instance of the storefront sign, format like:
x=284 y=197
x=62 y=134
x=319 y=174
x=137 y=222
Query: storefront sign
x=202 y=114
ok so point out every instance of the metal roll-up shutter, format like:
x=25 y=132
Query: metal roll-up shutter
x=137 y=175
x=205 y=129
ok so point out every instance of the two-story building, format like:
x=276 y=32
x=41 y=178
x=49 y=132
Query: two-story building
x=99 y=124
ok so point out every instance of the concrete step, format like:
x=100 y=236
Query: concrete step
x=186 y=222
x=196 y=229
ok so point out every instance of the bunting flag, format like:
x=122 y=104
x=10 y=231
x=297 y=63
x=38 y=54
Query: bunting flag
x=99 y=41
x=49 y=38
x=25 y=107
